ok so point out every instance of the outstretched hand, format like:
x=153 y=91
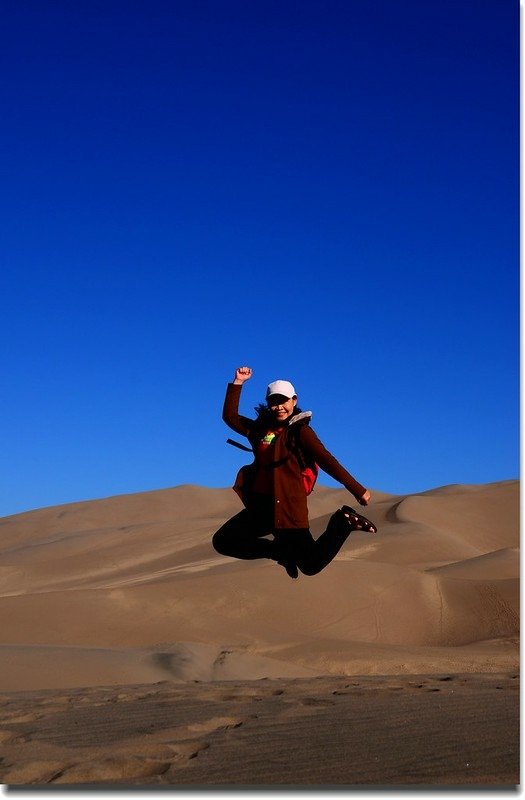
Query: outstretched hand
x=243 y=374
x=365 y=499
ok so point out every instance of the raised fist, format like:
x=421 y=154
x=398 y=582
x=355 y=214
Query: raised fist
x=243 y=374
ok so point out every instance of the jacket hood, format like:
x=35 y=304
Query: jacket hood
x=303 y=416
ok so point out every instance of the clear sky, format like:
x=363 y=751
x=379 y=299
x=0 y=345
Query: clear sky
x=326 y=191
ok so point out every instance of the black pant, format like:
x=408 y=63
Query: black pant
x=244 y=536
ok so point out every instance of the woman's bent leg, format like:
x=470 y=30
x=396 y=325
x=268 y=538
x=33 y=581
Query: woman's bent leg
x=241 y=537
x=311 y=555
x=328 y=544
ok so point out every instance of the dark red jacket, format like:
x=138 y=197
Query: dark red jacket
x=290 y=508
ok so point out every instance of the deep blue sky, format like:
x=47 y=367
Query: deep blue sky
x=325 y=191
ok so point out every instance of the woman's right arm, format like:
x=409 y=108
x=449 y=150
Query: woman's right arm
x=230 y=411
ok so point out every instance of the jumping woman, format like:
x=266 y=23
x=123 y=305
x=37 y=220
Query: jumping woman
x=273 y=487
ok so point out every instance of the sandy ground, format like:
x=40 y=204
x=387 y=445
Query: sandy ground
x=123 y=632
x=326 y=731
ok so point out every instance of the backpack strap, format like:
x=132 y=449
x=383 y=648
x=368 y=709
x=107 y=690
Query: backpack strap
x=309 y=469
x=294 y=436
x=239 y=445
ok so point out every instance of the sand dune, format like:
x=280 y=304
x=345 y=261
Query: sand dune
x=133 y=654
x=130 y=589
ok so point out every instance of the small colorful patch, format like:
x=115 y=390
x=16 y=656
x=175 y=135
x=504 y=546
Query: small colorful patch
x=269 y=438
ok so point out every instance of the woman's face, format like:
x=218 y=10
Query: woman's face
x=281 y=407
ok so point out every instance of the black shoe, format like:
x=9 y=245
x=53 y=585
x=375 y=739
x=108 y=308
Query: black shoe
x=357 y=522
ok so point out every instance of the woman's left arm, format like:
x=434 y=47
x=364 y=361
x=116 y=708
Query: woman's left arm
x=313 y=445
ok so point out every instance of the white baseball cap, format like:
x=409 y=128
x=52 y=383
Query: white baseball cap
x=285 y=388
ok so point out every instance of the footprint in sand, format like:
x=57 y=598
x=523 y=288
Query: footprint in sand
x=182 y=753
x=161 y=751
x=351 y=686
x=185 y=740
x=8 y=736
x=217 y=724
x=187 y=750
x=165 y=750
x=240 y=696
x=14 y=718
x=113 y=769
x=315 y=701
x=52 y=701
x=32 y=772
